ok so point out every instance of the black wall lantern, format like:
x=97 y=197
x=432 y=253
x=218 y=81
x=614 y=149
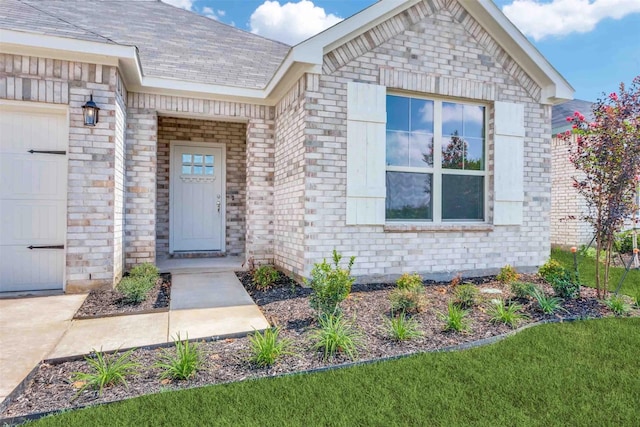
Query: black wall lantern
x=90 y=112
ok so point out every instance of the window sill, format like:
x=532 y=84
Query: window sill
x=436 y=228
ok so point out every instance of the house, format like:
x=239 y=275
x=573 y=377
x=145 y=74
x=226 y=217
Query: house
x=414 y=135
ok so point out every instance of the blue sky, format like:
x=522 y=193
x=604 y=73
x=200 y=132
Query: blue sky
x=595 y=44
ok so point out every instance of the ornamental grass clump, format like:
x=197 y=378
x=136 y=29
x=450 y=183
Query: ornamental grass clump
x=183 y=363
x=618 y=305
x=106 y=370
x=330 y=285
x=336 y=335
x=546 y=303
x=509 y=314
x=402 y=327
x=455 y=319
x=267 y=347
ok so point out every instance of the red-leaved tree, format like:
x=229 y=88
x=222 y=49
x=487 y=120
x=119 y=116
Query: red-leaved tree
x=606 y=152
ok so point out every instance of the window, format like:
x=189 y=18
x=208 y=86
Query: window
x=442 y=184
x=197 y=164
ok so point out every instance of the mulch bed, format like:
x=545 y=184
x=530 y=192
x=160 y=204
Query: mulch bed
x=109 y=302
x=287 y=305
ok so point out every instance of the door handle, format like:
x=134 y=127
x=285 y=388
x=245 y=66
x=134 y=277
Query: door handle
x=218 y=203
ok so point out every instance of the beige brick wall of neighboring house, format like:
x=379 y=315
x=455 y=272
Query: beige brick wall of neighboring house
x=434 y=48
x=289 y=179
x=233 y=136
x=565 y=201
x=92 y=180
x=145 y=176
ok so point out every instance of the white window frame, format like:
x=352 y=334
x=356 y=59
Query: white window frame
x=437 y=170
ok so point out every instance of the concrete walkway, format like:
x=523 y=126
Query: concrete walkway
x=204 y=304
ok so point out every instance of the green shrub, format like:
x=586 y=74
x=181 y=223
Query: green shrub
x=510 y=314
x=267 y=347
x=402 y=327
x=465 y=295
x=264 y=277
x=336 y=335
x=134 y=289
x=551 y=268
x=407 y=300
x=455 y=319
x=623 y=242
x=145 y=270
x=565 y=286
x=330 y=285
x=410 y=281
x=618 y=305
x=184 y=363
x=591 y=253
x=106 y=370
x=547 y=304
x=507 y=274
x=522 y=290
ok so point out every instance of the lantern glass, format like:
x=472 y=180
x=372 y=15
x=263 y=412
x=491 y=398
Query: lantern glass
x=90 y=112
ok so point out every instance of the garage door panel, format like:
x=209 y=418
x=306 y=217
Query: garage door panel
x=22 y=269
x=32 y=222
x=33 y=203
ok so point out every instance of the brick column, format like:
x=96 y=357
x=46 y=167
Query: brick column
x=260 y=171
x=140 y=186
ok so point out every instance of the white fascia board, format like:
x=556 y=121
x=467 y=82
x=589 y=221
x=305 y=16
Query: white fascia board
x=555 y=88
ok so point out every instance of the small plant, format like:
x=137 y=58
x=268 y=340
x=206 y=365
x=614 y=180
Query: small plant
x=507 y=274
x=508 y=314
x=134 y=289
x=551 y=268
x=455 y=319
x=522 y=290
x=267 y=347
x=402 y=327
x=547 y=304
x=465 y=295
x=407 y=300
x=145 y=270
x=410 y=281
x=184 y=363
x=106 y=370
x=564 y=285
x=618 y=305
x=336 y=335
x=330 y=285
x=264 y=277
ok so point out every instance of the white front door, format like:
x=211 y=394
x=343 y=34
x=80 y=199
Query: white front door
x=197 y=198
x=33 y=197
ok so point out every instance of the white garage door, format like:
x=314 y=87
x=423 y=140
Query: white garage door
x=33 y=197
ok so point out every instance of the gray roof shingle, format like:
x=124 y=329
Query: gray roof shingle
x=172 y=43
x=562 y=111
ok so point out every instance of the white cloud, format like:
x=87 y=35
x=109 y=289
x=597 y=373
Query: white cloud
x=290 y=22
x=539 y=19
x=211 y=13
x=182 y=4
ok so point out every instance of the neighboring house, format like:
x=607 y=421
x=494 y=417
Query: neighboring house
x=414 y=135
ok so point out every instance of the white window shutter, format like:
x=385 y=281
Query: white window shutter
x=508 y=164
x=366 y=153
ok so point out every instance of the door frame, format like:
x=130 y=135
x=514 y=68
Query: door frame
x=223 y=197
x=60 y=109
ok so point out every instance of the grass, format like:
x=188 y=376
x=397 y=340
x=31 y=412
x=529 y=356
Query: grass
x=587 y=271
x=582 y=373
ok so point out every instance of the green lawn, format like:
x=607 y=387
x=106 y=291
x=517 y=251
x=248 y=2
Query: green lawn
x=587 y=270
x=583 y=373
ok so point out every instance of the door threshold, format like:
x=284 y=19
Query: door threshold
x=197 y=254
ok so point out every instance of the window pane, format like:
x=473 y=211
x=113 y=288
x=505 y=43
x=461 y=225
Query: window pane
x=421 y=150
x=186 y=158
x=421 y=116
x=186 y=170
x=397 y=148
x=197 y=159
x=409 y=196
x=208 y=160
x=397 y=113
x=451 y=119
x=462 y=198
x=474 y=159
x=473 y=121
x=454 y=151
x=197 y=170
x=208 y=170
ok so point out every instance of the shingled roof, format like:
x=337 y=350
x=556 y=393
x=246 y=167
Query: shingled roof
x=172 y=43
x=562 y=111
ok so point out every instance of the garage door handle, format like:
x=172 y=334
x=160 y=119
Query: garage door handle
x=46 y=247
x=62 y=153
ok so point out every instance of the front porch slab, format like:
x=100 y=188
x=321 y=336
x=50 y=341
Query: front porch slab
x=216 y=322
